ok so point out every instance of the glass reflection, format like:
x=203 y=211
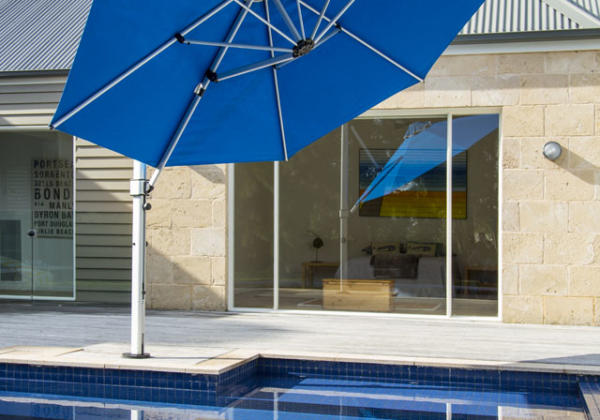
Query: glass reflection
x=36 y=215
x=253 y=277
x=396 y=227
x=362 y=220
x=475 y=230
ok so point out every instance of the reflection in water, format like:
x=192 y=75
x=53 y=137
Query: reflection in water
x=308 y=397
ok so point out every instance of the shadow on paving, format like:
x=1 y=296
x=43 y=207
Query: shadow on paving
x=20 y=307
x=33 y=307
x=592 y=359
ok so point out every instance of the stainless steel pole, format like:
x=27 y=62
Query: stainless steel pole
x=138 y=262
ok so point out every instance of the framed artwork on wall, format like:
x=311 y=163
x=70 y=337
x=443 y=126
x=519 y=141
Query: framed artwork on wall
x=424 y=196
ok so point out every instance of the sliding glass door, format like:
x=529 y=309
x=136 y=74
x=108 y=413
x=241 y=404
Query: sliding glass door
x=395 y=217
x=475 y=215
x=309 y=231
x=372 y=218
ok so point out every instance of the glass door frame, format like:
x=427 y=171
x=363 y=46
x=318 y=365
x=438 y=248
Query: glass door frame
x=449 y=114
x=32 y=296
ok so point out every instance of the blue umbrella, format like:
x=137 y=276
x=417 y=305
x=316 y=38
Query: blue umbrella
x=423 y=149
x=188 y=82
x=273 y=76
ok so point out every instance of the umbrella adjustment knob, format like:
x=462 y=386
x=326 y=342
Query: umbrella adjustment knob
x=303 y=47
x=212 y=76
x=180 y=38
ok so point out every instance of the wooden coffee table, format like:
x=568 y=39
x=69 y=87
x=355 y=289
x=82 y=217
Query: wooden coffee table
x=358 y=295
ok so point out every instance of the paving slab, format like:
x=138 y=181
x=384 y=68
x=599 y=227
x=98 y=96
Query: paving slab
x=590 y=391
x=214 y=361
x=206 y=360
x=201 y=338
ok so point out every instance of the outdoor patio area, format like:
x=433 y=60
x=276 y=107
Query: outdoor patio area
x=186 y=340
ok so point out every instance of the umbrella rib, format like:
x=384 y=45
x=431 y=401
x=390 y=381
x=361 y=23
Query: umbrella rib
x=257 y=16
x=367 y=45
x=232 y=33
x=301 y=19
x=276 y=83
x=334 y=21
x=242 y=46
x=328 y=37
x=198 y=95
x=287 y=19
x=140 y=63
x=321 y=16
x=254 y=67
x=382 y=55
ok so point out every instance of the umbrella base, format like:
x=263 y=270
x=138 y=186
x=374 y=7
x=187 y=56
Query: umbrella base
x=136 y=356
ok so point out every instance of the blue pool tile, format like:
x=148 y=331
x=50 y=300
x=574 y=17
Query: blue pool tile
x=181 y=388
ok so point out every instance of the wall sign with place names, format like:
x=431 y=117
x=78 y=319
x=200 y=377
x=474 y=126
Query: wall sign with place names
x=52 y=201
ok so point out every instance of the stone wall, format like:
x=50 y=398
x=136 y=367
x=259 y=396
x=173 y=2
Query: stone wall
x=551 y=210
x=186 y=265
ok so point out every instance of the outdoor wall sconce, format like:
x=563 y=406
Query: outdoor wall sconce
x=552 y=150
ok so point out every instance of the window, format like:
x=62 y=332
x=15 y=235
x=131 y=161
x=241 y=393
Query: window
x=364 y=221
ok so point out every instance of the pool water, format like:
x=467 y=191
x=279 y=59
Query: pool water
x=298 y=394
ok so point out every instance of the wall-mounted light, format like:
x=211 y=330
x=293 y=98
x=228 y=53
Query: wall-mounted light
x=552 y=150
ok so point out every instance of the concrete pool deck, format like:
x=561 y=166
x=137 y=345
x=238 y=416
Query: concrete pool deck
x=194 y=342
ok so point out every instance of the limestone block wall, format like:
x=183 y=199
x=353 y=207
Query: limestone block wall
x=187 y=239
x=551 y=210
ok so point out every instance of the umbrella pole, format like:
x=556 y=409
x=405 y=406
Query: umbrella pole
x=138 y=190
x=343 y=214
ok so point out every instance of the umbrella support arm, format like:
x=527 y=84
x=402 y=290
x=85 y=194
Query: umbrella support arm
x=178 y=133
x=138 y=187
x=141 y=63
x=198 y=94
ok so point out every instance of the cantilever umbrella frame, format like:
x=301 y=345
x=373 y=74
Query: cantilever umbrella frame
x=302 y=41
x=140 y=187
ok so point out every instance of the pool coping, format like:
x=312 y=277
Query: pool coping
x=213 y=369
x=219 y=361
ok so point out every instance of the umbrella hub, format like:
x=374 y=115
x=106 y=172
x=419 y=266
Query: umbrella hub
x=303 y=47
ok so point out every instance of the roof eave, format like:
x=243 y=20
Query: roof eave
x=520 y=42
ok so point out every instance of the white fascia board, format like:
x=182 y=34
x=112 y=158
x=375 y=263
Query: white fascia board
x=523 y=47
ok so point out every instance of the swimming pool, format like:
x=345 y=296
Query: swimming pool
x=289 y=389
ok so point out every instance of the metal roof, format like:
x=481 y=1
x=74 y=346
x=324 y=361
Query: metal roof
x=509 y=16
x=39 y=35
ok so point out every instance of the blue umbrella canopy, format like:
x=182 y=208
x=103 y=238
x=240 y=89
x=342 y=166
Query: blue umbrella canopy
x=185 y=82
x=423 y=149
